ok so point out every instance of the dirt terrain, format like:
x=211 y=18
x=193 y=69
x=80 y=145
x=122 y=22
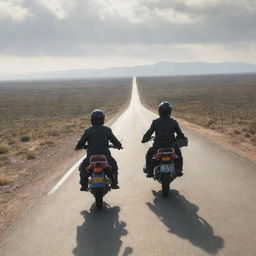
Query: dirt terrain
x=209 y=211
x=220 y=107
x=26 y=177
x=28 y=167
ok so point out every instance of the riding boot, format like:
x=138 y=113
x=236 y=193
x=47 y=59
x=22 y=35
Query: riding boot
x=179 y=173
x=84 y=184
x=150 y=173
x=83 y=175
x=114 y=181
x=84 y=181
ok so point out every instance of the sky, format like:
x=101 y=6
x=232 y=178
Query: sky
x=49 y=35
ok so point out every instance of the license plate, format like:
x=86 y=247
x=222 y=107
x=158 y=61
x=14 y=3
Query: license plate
x=98 y=179
x=166 y=168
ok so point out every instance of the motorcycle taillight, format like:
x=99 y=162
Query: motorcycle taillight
x=97 y=170
x=166 y=158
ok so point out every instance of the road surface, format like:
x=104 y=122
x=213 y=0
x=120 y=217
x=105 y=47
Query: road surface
x=211 y=210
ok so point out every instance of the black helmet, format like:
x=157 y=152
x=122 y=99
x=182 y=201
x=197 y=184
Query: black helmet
x=97 y=117
x=165 y=109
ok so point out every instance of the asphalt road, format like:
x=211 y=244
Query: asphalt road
x=210 y=210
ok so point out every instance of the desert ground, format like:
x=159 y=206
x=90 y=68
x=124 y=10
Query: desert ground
x=223 y=104
x=40 y=123
x=210 y=209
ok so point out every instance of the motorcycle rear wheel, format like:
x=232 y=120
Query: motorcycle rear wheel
x=99 y=198
x=165 y=185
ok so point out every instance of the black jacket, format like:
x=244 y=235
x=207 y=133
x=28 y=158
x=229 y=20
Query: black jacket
x=98 y=137
x=165 y=130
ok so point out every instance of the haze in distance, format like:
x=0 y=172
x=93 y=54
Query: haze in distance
x=158 y=69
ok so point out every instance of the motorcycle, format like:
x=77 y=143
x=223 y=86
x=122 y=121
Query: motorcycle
x=163 y=165
x=99 y=177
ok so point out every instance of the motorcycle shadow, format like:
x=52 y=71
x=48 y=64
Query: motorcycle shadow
x=101 y=232
x=181 y=217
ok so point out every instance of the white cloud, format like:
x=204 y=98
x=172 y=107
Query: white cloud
x=200 y=3
x=131 y=11
x=13 y=9
x=135 y=11
x=60 y=8
x=137 y=31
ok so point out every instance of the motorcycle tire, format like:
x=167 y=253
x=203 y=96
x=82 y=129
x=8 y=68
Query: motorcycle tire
x=99 y=198
x=165 y=185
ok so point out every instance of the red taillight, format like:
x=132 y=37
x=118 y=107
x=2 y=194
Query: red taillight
x=97 y=170
x=166 y=158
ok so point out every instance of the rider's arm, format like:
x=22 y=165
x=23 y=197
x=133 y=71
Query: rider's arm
x=147 y=135
x=112 y=138
x=178 y=131
x=81 y=143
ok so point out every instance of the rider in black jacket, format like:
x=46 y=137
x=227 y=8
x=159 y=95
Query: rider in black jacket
x=97 y=138
x=165 y=129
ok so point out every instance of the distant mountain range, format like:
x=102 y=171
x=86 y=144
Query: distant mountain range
x=158 y=69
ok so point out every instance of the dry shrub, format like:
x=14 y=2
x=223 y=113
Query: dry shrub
x=210 y=123
x=237 y=132
x=4 y=180
x=53 y=133
x=47 y=142
x=252 y=128
x=4 y=157
x=4 y=149
x=31 y=155
x=253 y=140
x=22 y=151
x=24 y=138
x=12 y=142
x=69 y=126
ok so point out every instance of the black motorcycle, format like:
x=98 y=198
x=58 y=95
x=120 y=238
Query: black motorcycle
x=163 y=165
x=99 y=182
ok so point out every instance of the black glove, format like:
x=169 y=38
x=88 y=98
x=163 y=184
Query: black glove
x=144 y=140
x=78 y=147
x=182 y=142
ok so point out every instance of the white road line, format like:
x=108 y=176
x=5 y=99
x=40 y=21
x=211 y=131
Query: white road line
x=73 y=168
x=66 y=175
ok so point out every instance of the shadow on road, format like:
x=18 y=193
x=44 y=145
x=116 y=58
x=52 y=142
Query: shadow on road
x=101 y=233
x=180 y=216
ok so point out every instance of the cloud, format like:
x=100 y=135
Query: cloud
x=14 y=10
x=135 y=11
x=60 y=8
x=87 y=28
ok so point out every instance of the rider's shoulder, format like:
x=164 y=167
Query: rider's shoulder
x=106 y=128
x=173 y=120
x=87 y=129
x=155 y=121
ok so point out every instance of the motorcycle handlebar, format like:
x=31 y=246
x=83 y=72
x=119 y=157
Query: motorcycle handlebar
x=152 y=138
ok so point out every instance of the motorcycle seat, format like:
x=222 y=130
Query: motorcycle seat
x=165 y=150
x=98 y=158
x=98 y=161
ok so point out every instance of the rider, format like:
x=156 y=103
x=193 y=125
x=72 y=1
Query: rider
x=97 y=137
x=165 y=128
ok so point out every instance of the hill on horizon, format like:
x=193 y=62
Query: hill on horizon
x=157 y=69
